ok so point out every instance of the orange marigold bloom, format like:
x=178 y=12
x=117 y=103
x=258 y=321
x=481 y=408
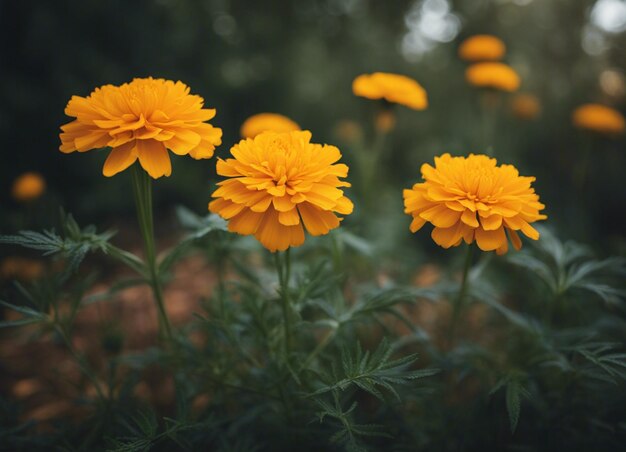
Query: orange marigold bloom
x=493 y=75
x=278 y=182
x=141 y=120
x=525 y=106
x=264 y=122
x=470 y=198
x=28 y=187
x=599 y=118
x=482 y=48
x=394 y=88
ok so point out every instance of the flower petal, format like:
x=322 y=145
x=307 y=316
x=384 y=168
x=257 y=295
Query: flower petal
x=490 y=240
x=153 y=158
x=119 y=159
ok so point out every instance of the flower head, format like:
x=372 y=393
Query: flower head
x=279 y=182
x=525 y=106
x=493 y=75
x=264 y=122
x=394 y=88
x=598 y=118
x=471 y=198
x=28 y=187
x=482 y=48
x=140 y=120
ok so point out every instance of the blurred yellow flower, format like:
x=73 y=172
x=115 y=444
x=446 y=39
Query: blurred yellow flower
x=394 y=88
x=28 y=187
x=264 y=122
x=471 y=199
x=278 y=182
x=482 y=48
x=493 y=75
x=525 y=106
x=598 y=118
x=141 y=120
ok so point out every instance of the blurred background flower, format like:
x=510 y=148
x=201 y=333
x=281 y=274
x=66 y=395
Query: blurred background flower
x=598 y=118
x=28 y=187
x=482 y=48
x=263 y=122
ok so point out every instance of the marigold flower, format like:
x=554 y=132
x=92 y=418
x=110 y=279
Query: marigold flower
x=28 y=187
x=394 y=88
x=598 y=118
x=471 y=199
x=493 y=75
x=141 y=120
x=482 y=48
x=264 y=122
x=278 y=182
x=525 y=106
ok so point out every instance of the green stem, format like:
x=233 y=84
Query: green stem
x=490 y=108
x=142 y=189
x=318 y=349
x=460 y=299
x=369 y=164
x=284 y=274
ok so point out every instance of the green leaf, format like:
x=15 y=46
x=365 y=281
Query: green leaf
x=370 y=372
x=73 y=245
x=30 y=316
x=515 y=391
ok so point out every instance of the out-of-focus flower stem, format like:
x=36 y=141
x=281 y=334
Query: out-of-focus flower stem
x=491 y=101
x=142 y=188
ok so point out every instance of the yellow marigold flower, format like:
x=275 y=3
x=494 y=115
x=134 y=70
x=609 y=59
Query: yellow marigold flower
x=470 y=198
x=599 y=118
x=141 y=120
x=525 y=106
x=28 y=187
x=482 y=48
x=493 y=75
x=394 y=88
x=264 y=122
x=278 y=182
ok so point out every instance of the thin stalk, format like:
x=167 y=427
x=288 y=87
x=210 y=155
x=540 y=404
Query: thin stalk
x=142 y=189
x=370 y=161
x=283 y=268
x=318 y=349
x=490 y=108
x=459 y=303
